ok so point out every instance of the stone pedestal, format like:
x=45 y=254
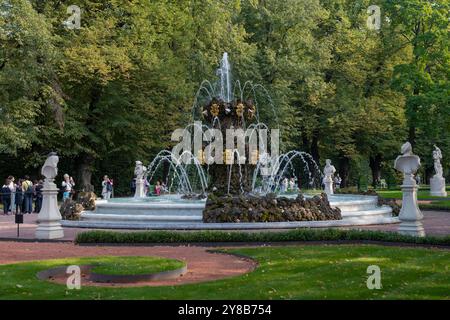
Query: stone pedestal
x=437 y=187
x=140 y=190
x=328 y=182
x=49 y=219
x=410 y=215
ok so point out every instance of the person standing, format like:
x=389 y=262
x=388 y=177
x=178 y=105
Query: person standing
x=158 y=188
x=12 y=187
x=19 y=197
x=133 y=186
x=6 y=197
x=67 y=185
x=337 y=181
x=38 y=192
x=292 y=184
x=27 y=188
x=106 y=188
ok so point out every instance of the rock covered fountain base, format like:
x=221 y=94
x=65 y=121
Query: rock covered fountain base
x=268 y=208
x=171 y=212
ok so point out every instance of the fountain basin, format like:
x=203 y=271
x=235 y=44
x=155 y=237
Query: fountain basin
x=172 y=212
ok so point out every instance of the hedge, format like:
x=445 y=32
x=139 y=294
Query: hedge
x=306 y=234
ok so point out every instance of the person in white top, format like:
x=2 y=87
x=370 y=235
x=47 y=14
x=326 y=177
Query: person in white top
x=106 y=188
x=67 y=185
x=12 y=187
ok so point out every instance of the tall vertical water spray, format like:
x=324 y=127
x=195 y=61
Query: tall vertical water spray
x=224 y=72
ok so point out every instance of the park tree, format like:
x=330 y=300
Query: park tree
x=423 y=77
x=290 y=61
x=29 y=89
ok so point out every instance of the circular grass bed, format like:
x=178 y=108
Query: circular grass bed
x=126 y=266
x=121 y=269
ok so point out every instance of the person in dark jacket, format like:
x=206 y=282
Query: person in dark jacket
x=6 y=197
x=19 y=197
x=38 y=196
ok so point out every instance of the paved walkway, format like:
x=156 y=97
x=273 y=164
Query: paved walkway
x=435 y=223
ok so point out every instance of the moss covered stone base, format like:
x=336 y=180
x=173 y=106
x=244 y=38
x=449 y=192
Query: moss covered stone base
x=268 y=208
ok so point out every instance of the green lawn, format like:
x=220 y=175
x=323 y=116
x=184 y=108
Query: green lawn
x=436 y=205
x=296 y=272
x=134 y=265
x=397 y=194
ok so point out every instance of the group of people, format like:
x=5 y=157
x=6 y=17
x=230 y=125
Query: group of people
x=19 y=196
x=25 y=196
x=159 y=188
x=68 y=185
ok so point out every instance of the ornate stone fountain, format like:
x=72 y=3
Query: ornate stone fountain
x=247 y=179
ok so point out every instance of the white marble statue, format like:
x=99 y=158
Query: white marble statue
x=410 y=215
x=50 y=168
x=437 y=157
x=328 y=172
x=437 y=182
x=140 y=172
x=49 y=218
x=284 y=185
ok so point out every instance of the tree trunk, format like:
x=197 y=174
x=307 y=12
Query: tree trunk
x=412 y=135
x=305 y=141
x=315 y=146
x=375 y=166
x=344 y=167
x=85 y=169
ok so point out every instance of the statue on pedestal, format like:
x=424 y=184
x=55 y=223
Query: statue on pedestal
x=49 y=219
x=410 y=215
x=328 y=172
x=140 y=172
x=437 y=183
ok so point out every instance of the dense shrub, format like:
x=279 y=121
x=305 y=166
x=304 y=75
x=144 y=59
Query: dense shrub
x=224 y=236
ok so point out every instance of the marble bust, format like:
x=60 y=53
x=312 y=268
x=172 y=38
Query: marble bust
x=408 y=163
x=50 y=168
x=329 y=169
x=410 y=215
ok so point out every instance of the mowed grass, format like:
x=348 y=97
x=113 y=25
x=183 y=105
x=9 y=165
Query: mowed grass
x=397 y=194
x=134 y=265
x=294 y=272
